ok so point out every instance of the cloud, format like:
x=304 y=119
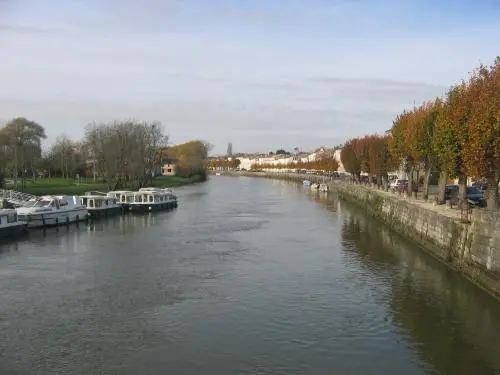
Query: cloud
x=255 y=73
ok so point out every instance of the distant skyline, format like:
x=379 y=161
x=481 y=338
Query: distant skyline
x=260 y=74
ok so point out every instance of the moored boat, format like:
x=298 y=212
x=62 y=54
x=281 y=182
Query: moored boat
x=99 y=205
x=10 y=225
x=306 y=183
x=323 y=187
x=153 y=199
x=50 y=210
x=314 y=186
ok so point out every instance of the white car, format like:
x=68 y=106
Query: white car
x=398 y=182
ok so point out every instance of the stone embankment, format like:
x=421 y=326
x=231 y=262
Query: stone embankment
x=471 y=248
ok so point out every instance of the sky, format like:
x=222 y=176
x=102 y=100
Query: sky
x=262 y=74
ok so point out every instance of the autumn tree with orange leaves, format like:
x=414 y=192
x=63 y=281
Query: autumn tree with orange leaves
x=223 y=164
x=481 y=154
x=458 y=136
x=369 y=154
x=349 y=159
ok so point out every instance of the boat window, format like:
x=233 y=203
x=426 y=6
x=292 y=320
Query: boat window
x=84 y=201
x=106 y=202
x=98 y=202
x=151 y=198
x=43 y=203
x=12 y=217
x=123 y=198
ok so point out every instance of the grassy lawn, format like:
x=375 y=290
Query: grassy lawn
x=55 y=186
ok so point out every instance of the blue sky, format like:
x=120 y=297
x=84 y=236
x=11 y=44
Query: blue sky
x=260 y=74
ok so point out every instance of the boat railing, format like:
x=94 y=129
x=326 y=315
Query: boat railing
x=17 y=197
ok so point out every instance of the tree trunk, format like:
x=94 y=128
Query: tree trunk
x=462 y=191
x=443 y=179
x=410 y=182
x=416 y=185
x=425 y=189
x=23 y=174
x=492 y=193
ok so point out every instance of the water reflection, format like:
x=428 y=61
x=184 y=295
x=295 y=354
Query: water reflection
x=451 y=324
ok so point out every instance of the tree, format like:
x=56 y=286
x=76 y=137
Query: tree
x=418 y=139
x=191 y=158
x=400 y=144
x=62 y=152
x=350 y=160
x=451 y=136
x=125 y=152
x=23 y=139
x=361 y=152
x=481 y=154
x=379 y=158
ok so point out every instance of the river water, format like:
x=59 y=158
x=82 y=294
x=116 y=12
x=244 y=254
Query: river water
x=247 y=276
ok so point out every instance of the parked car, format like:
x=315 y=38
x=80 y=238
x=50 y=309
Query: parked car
x=398 y=183
x=474 y=195
x=481 y=184
x=450 y=190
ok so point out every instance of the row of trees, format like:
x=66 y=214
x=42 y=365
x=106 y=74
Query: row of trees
x=323 y=164
x=458 y=136
x=223 y=164
x=369 y=154
x=122 y=153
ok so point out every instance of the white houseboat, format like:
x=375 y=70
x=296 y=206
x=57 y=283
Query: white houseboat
x=50 y=210
x=123 y=197
x=100 y=204
x=10 y=225
x=153 y=199
x=314 y=186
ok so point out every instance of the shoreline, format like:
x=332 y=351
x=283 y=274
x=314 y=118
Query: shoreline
x=58 y=186
x=471 y=249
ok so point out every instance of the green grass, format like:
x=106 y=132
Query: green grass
x=55 y=186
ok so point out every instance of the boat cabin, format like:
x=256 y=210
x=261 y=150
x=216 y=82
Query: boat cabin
x=122 y=196
x=50 y=202
x=98 y=202
x=151 y=196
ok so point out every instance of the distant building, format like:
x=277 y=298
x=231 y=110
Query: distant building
x=168 y=170
x=229 y=149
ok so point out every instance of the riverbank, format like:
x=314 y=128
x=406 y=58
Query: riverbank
x=51 y=186
x=473 y=248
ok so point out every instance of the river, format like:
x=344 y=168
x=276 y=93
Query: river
x=246 y=276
